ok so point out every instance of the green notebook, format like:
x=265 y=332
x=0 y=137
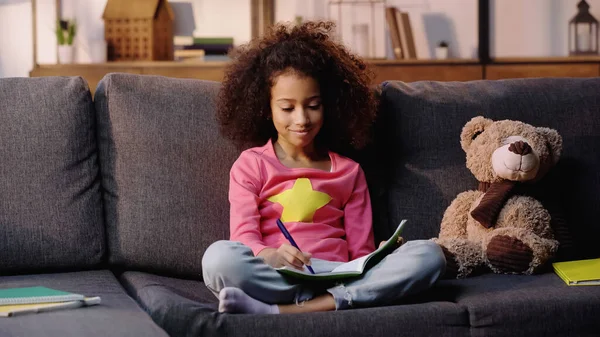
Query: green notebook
x=30 y=295
x=349 y=269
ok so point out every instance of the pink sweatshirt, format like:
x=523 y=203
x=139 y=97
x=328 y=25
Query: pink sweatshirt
x=327 y=213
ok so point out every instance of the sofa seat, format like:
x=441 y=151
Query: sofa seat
x=486 y=305
x=187 y=308
x=519 y=305
x=116 y=315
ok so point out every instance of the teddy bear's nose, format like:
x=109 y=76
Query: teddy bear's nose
x=520 y=147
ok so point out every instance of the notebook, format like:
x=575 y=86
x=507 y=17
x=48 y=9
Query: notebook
x=20 y=309
x=31 y=295
x=349 y=269
x=580 y=272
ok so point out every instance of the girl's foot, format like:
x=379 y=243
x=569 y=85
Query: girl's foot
x=235 y=300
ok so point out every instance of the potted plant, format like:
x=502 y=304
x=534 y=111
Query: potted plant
x=65 y=36
x=441 y=51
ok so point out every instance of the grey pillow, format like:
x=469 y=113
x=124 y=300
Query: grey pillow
x=165 y=170
x=50 y=199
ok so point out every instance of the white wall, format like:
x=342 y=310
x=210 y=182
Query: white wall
x=90 y=27
x=16 y=49
x=520 y=28
x=533 y=27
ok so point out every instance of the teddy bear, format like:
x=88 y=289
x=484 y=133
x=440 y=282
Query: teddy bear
x=499 y=226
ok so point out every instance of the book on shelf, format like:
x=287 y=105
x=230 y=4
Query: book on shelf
x=189 y=53
x=200 y=49
x=390 y=16
x=401 y=33
x=187 y=40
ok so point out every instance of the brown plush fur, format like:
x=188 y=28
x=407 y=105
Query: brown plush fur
x=521 y=240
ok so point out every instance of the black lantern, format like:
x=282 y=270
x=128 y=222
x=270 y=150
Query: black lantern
x=583 y=32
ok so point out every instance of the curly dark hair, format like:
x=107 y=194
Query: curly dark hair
x=349 y=104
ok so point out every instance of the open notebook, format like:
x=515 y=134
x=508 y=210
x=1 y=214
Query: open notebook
x=349 y=269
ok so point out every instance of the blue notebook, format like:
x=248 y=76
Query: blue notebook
x=30 y=295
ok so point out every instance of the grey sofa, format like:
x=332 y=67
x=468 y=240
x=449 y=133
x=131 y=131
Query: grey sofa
x=119 y=196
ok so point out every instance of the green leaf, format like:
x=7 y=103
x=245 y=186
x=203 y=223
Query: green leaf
x=65 y=32
x=60 y=38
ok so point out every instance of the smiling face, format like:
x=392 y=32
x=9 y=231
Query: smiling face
x=296 y=109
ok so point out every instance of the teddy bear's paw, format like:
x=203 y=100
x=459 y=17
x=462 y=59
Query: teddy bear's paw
x=463 y=257
x=508 y=255
x=451 y=264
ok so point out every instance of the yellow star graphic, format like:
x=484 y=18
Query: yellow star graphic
x=300 y=202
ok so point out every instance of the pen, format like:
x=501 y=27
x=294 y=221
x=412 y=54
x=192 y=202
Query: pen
x=290 y=239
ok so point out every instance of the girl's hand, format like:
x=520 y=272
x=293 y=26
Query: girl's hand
x=399 y=242
x=285 y=255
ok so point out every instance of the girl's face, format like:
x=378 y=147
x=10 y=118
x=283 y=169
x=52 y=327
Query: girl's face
x=297 y=109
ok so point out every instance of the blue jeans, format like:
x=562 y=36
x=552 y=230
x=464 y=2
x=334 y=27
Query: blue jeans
x=413 y=267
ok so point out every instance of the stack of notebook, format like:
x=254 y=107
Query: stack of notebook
x=15 y=301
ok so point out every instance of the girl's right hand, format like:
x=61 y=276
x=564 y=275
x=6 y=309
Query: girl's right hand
x=285 y=255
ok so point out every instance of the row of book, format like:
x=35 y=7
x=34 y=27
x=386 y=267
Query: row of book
x=401 y=33
x=200 y=49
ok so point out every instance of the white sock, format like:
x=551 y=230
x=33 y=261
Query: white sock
x=235 y=300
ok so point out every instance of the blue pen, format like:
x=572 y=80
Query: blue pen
x=290 y=239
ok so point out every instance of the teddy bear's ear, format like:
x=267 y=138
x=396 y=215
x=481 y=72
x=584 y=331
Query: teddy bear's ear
x=472 y=129
x=554 y=141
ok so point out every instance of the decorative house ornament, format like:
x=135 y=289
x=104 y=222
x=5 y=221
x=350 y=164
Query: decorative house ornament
x=583 y=32
x=138 y=30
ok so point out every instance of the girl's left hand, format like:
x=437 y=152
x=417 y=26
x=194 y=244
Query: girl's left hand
x=399 y=242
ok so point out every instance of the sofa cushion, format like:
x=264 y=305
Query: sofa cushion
x=420 y=125
x=192 y=289
x=50 y=199
x=165 y=170
x=178 y=307
x=517 y=305
x=116 y=315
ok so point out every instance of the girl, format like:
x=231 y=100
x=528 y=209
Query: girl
x=299 y=98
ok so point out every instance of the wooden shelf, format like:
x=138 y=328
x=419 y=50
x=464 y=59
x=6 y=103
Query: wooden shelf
x=524 y=67
x=135 y=64
x=94 y=72
x=423 y=62
x=401 y=70
x=505 y=71
x=545 y=60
